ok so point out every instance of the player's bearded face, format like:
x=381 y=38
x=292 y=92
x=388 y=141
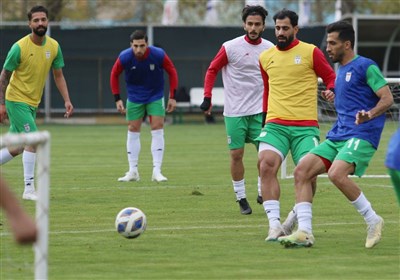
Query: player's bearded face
x=284 y=42
x=284 y=32
x=254 y=27
x=253 y=35
x=39 y=23
x=40 y=30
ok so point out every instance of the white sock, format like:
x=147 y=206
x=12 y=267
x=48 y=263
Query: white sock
x=157 y=149
x=364 y=207
x=5 y=156
x=259 y=186
x=133 y=150
x=239 y=189
x=272 y=209
x=304 y=216
x=28 y=161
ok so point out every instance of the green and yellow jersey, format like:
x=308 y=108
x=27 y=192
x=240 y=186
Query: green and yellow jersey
x=30 y=65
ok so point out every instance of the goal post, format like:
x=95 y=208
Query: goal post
x=327 y=116
x=41 y=140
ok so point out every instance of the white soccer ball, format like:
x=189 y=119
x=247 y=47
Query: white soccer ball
x=131 y=222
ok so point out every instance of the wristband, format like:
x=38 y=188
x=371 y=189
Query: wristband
x=117 y=97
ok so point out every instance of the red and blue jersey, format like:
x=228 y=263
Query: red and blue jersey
x=144 y=77
x=355 y=87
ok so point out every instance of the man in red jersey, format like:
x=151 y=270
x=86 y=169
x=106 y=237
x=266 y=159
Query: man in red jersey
x=238 y=59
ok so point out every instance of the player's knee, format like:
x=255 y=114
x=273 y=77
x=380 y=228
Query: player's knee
x=336 y=176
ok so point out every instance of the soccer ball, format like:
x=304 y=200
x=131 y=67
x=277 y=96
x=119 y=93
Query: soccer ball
x=130 y=222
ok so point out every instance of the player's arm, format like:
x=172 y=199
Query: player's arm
x=116 y=70
x=324 y=70
x=5 y=76
x=62 y=87
x=265 y=78
x=379 y=85
x=173 y=82
x=220 y=60
x=21 y=224
x=11 y=63
x=57 y=65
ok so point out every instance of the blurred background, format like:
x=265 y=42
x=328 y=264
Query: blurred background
x=92 y=33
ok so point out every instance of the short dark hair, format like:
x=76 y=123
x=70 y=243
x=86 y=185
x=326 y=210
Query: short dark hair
x=138 y=35
x=254 y=10
x=344 y=29
x=282 y=14
x=37 y=9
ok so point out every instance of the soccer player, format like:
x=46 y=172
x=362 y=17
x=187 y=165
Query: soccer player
x=362 y=96
x=22 y=226
x=21 y=87
x=144 y=76
x=393 y=162
x=290 y=72
x=238 y=59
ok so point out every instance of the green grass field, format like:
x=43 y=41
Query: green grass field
x=195 y=229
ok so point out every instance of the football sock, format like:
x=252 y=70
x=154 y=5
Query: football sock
x=364 y=207
x=28 y=161
x=239 y=189
x=272 y=209
x=157 y=149
x=133 y=150
x=304 y=216
x=259 y=185
x=5 y=156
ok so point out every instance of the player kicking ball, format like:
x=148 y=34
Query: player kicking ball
x=362 y=96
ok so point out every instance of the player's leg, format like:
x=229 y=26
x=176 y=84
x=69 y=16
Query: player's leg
x=134 y=117
x=304 y=139
x=274 y=146
x=254 y=130
x=236 y=129
x=316 y=162
x=353 y=158
x=13 y=112
x=156 y=111
x=22 y=120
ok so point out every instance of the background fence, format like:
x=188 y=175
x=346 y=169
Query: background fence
x=90 y=51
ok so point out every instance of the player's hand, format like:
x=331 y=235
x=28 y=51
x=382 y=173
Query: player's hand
x=363 y=116
x=120 y=107
x=206 y=105
x=23 y=227
x=171 y=105
x=68 y=109
x=328 y=94
x=3 y=113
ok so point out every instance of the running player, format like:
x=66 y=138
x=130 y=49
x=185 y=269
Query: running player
x=362 y=96
x=21 y=88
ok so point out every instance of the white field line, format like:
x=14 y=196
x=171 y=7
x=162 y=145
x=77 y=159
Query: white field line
x=183 y=228
x=162 y=187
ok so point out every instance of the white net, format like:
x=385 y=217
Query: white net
x=42 y=142
x=327 y=116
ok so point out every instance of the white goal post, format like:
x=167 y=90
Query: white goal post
x=42 y=142
x=326 y=114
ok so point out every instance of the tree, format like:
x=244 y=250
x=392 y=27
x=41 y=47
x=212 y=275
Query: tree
x=191 y=12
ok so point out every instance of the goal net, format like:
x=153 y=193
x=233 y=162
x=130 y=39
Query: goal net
x=327 y=116
x=42 y=142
